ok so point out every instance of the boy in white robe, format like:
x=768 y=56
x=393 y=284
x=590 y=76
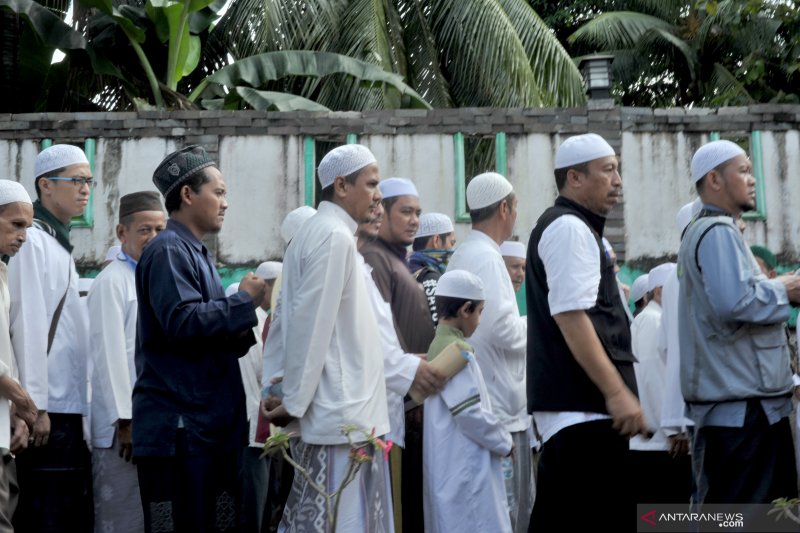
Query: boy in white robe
x=463 y=486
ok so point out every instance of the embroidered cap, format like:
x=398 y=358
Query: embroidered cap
x=12 y=191
x=179 y=166
x=711 y=155
x=460 y=284
x=434 y=224
x=58 y=156
x=582 y=149
x=343 y=161
x=487 y=189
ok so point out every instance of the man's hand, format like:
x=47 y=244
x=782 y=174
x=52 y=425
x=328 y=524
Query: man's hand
x=428 y=380
x=255 y=287
x=125 y=438
x=678 y=445
x=23 y=402
x=41 y=430
x=278 y=416
x=792 y=284
x=626 y=413
x=19 y=435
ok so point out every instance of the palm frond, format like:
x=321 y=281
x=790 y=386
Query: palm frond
x=618 y=29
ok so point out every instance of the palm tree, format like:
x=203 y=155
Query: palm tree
x=673 y=53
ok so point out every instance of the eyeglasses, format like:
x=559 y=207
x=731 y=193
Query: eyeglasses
x=77 y=181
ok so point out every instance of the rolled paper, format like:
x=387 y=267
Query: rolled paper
x=449 y=362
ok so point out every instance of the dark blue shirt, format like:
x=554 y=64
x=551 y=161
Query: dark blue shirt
x=189 y=338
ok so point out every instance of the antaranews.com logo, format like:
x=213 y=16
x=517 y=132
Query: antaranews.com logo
x=741 y=518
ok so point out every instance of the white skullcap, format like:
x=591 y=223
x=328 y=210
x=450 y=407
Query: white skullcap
x=659 y=275
x=269 y=269
x=460 y=284
x=113 y=252
x=84 y=284
x=639 y=288
x=12 y=191
x=487 y=189
x=343 y=161
x=513 y=249
x=58 y=156
x=582 y=149
x=711 y=155
x=434 y=224
x=232 y=289
x=686 y=214
x=392 y=187
x=294 y=220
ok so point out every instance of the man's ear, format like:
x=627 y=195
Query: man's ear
x=464 y=311
x=186 y=194
x=339 y=186
x=120 y=232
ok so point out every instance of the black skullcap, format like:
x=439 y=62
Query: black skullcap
x=139 y=201
x=179 y=166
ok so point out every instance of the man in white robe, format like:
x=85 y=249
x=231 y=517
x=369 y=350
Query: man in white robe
x=49 y=334
x=333 y=373
x=501 y=338
x=113 y=312
x=17 y=409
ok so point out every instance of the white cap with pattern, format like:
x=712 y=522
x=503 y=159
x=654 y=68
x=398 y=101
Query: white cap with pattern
x=486 y=189
x=711 y=155
x=460 y=284
x=343 y=161
x=58 y=156
x=434 y=224
x=12 y=191
x=582 y=149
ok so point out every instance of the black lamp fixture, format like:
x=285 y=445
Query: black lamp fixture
x=596 y=70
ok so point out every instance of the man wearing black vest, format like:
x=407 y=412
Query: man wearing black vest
x=581 y=383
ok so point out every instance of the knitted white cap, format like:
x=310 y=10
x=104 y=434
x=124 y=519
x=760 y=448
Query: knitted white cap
x=460 y=284
x=711 y=155
x=513 y=249
x=486 y=189
x=343 y=161
x=294 y=220
x=639 y=287
x=658 y=275
x=12 y=191
x=581 y=149
x=232 y=289
x=269 y=269
x=58 y=156
x=113 y=252
x=687 y=213
x=434 y=224
x=397 y=187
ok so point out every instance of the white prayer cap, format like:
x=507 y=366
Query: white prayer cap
x=343 y=161
x=659 y=275
x=294 y=220
x=582 y=149
x=232 y=289
x=487 y=189
x=711 y=155
x=269 y=269
x=687 y=213
x=460 y=284
x=58 y=156
x=639 y=288
x=513 y=249
x=397 y=187
x=12 y=191
x=113 y=252
x=434 y=224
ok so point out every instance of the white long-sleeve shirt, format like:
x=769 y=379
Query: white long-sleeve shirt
x=6 y=357
x=650 y=376
x=38 y=276
x=333 y=354
x=113 y=311
x=502 y=336
x=673 y=408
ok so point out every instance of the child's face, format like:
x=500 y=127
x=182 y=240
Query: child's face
x=471 y=320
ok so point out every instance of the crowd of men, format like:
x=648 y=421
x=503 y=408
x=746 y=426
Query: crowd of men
x=410 y=387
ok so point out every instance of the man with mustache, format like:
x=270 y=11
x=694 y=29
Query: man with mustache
x=49 y=335
x=189 y=414
x=581 y=382
x=734 y=358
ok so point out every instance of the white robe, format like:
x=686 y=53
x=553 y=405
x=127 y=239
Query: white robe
x=463 y=485
x=6 y=357
x=673 y=407
x=37 y=279
x=251 y=366
x=650 y=376
x=333 y=360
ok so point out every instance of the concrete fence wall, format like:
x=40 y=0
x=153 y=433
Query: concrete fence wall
x=267 y=160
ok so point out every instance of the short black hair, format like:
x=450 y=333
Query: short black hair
x=326 y=195
x=51 y=174
x=173 y=200
x=388 y=203
x=561 y=173
x=485 y=213
x=448 y=306
x=421 y=243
